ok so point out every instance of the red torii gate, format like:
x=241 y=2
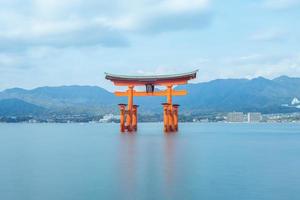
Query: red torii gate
x=128 y=115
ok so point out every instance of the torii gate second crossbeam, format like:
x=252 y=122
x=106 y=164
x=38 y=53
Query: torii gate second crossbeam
x=128 y=112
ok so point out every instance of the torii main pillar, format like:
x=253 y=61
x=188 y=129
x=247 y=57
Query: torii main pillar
x=128 y=112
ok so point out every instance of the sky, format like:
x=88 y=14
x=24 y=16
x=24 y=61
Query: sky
x=73 y=42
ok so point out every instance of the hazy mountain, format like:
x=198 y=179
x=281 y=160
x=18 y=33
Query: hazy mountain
x=65 y=98
x=64 y=94
x=13 y=107
x=258 y=94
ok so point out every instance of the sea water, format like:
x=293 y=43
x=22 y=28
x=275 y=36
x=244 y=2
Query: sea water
x=201 y=161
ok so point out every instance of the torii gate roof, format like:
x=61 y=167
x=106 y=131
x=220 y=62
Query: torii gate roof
x=123 y=80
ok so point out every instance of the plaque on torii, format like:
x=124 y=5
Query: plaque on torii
x=128 y=112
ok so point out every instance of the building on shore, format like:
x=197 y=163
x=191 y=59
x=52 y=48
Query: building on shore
x=235 y=117
x=109 y=118
x=254 y=117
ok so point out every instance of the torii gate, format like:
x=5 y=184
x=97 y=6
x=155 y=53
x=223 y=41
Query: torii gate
x=128 y=115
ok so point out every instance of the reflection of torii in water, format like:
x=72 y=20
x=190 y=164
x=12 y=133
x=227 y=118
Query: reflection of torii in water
x=128 y=116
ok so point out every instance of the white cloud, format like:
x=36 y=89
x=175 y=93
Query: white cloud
x=63 y=23
x=159 y=71
x=268 y=35
x=280 y=4
x=269 y=66
x=8 y=60
x=181 y=6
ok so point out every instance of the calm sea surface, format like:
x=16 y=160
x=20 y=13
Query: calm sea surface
x=202 y=161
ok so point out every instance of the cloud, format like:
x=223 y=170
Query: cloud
x=268 y=36
x=256 y=59
x=159 y=71
x=173 y=15
x=280 y=4
x=175 y=22
x=6 y=60
x=254 y=65
x=82 y=35
x=289 y=65
x=64 y=23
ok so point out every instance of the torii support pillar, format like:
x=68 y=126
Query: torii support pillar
x=170 y=115
x=134 y=117
x=166 y=117
x=175 y=116
x=130 y=117
x=122 y=108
